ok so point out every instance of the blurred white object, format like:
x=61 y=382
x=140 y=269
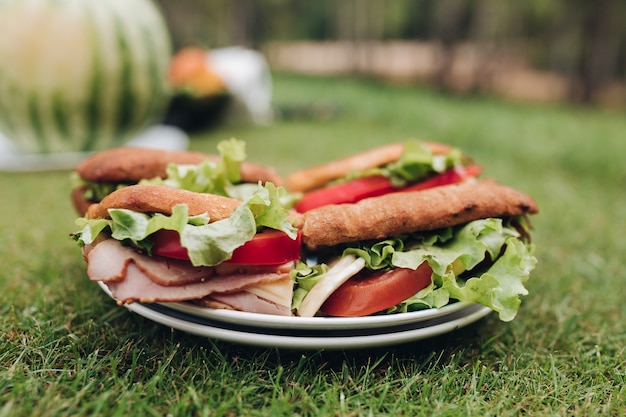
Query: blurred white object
x=158 y=136
x=246 y=75
x=161 y=137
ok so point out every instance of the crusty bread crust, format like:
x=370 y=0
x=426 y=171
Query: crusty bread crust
x=406 y=212
x=161 y=199
x=131 y=164
x=317 y=176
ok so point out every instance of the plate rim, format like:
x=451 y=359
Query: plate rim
x=442 y=325
x=315 y=323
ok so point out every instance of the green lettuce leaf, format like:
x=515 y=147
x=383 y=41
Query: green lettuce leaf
x=214 y=243
x=94 y=191
x=498 y=288
x=417 y=162
x=378 y=255
x=268 y=210
x=501 y=286
x=221 y=178
x=233 y=153
x=306 y=276
x=207 y=177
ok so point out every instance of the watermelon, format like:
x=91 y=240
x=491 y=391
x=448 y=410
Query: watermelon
x=81 y=75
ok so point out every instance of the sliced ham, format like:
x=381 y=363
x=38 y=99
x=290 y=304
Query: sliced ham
x=108 y=262
x=273 y=298
x=231 y=269
x=105 y=262
x=252 y=303
x=132 y=276
x=137 y=286
x=172 y=272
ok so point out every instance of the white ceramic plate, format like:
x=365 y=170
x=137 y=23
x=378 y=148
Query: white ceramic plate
x=310 y=333
x=293 y=339
x=314 y=323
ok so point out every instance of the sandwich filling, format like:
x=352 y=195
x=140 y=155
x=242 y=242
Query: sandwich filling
x=118 y=247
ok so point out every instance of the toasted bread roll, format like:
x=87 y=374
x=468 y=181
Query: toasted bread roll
x=161 y=199
x=130 y=165
x=399 y=213
x=317 y=176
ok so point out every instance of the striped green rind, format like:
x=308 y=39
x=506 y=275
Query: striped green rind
x=60 y=117
x=6 y=121
x=121 y=87
x=94 y=86
x=38 y=130
x=126 y=99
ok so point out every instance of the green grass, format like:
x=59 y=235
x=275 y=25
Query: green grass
x=66 y=349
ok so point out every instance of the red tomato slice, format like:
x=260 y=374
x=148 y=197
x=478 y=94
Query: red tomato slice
x=453 y=176
x=369 y=294
x=167 y=243
x=361 y=188
x=347 y=192
x=270 y=247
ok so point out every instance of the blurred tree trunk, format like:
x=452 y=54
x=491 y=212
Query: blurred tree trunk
x=242 y=22
x=494 y=26
x=600 y=48
x=369 y=29
x=448 y=16
x=358 y=22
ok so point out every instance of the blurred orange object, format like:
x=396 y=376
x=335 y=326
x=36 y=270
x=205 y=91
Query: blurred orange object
x=190 y=71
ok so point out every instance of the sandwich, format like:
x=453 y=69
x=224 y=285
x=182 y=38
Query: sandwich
x=461 y=242
x=409 y=166
x=105 y=171
x=464 y=240
x=401 y=252
x=154 y=243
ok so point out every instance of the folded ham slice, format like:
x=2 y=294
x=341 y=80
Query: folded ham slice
x=108 y=261
x=137 y=286
x=247 y=301
x=134 y=277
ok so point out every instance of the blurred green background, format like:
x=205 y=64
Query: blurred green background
x=540 y=50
